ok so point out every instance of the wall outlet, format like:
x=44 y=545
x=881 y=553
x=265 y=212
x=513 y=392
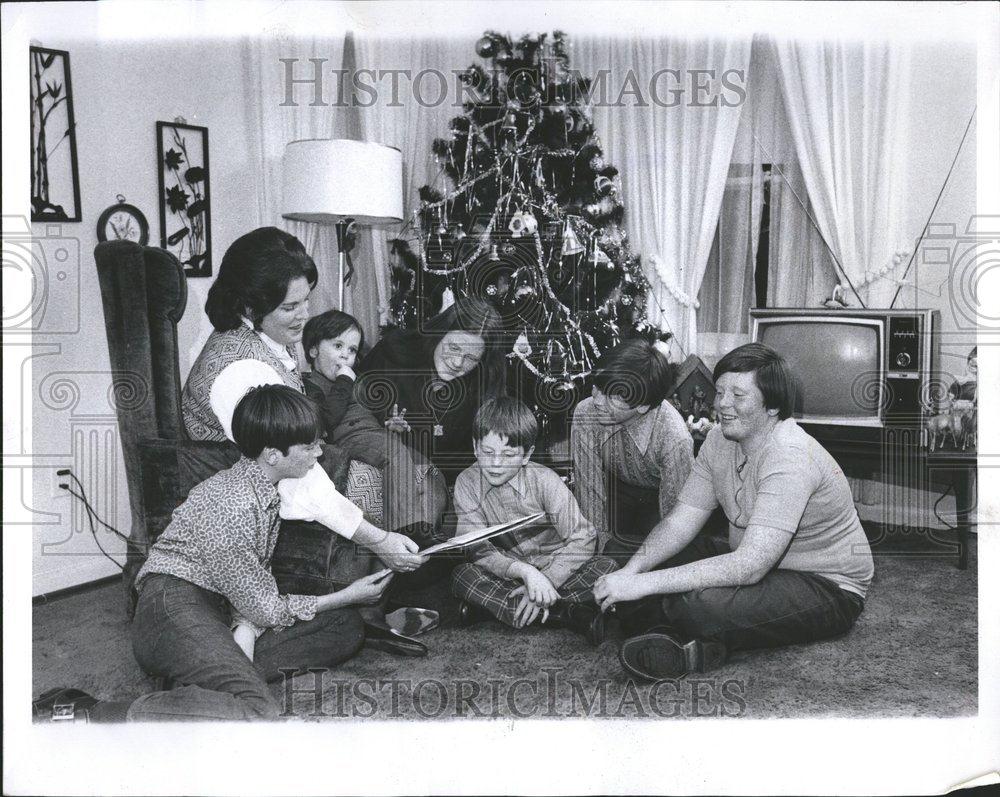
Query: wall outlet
x=55 y=491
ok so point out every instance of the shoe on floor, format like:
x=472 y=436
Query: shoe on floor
x=381 y=636
x=657 y=656
x=470 y=614
x=62 y=704
x=411 y=621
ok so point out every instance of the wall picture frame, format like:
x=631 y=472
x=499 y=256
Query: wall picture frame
x=185 y=198
x=55 y=177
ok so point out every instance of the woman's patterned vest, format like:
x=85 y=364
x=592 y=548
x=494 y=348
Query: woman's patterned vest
x=223 y=349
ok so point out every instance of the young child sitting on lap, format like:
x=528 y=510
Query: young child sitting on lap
x=414 y=491
x=547 y=574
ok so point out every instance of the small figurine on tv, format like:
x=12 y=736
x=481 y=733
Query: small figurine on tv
x=699 y=407
x=965 y=402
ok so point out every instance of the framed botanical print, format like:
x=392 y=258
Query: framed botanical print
x=185 y=210
x=55 y=180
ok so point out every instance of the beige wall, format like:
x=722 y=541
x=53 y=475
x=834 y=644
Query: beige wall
x=121 y=89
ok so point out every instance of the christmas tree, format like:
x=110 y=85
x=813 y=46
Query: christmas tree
x=531 y=221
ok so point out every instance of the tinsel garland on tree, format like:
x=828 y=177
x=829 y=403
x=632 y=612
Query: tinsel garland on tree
x=532 y=219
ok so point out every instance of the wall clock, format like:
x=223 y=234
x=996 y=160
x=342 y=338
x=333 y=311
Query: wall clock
x=123 y=222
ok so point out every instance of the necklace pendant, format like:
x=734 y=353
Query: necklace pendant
x=438 y=430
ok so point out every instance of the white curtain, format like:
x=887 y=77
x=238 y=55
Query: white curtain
x=280 y=114
x=674 y=160
x=847 y=104
x=421 y=115
x=727 y=289
x=801 y=269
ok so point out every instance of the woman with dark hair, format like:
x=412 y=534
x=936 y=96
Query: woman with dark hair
x=427 y=384
x=259 y=308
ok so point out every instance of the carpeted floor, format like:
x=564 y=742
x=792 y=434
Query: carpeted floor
x=912 y=653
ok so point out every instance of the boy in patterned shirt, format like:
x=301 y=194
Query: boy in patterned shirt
x=546 y=574
x=209 y=572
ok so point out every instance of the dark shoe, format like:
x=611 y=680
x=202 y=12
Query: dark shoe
x=380 y=636
x=582 y=618
x=471 y=614
x=655 y=657
x=411 y=621
x=61 y=704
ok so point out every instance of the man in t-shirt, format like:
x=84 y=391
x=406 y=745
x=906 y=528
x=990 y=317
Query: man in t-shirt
x=797 y=563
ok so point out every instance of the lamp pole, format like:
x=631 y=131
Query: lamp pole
x=343 y=230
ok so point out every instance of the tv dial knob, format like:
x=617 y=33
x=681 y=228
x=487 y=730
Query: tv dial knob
x=902 y=359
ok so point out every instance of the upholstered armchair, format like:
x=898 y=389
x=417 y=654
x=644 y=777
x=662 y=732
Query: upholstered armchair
x=144 y=293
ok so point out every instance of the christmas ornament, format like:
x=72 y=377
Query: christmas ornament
x=494 y=254
x=486 y=47
x=603 y=184
x=522 y=224
x=524 y=290
x=571 y=243
x=521 y=346
x=447 y=299
x=597 y=163
x=491 y=290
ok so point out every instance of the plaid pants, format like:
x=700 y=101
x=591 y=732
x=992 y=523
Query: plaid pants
x=478 y=585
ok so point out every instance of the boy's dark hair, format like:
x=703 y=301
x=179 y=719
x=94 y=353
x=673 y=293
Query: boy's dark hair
x=274 y=416
x=254 y=276
x=506 y=417
x=771 y=374
x=635 y=371
x=326 y=326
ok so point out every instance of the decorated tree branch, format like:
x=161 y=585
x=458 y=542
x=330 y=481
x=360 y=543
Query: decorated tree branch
x=528 y=217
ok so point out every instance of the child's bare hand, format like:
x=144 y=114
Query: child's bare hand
x=539 y=589
x=526 y=612
x=396 y=421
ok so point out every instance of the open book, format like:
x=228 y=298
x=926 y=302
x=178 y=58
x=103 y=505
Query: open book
x=483 y=534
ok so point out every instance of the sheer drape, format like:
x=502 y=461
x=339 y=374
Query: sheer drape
x=673 y=160
x=847 y=105
x=275 y=123
x=410 y=121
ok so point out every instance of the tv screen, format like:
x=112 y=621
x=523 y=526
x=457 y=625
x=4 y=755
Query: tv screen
x=837 y=365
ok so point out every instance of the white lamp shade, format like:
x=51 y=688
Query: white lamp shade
x=329 y=179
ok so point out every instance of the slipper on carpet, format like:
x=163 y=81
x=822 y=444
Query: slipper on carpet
x=411 y=621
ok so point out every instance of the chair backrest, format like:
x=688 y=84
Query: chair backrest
x=144 y=292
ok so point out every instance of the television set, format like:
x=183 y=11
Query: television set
x=857 y=369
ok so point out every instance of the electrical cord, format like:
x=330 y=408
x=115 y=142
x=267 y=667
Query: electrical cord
x=93 y=529
x=87 y=504
x=92 y=515
x=937 y=514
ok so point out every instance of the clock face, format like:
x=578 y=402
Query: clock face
x=123 y=222
x=122 y=226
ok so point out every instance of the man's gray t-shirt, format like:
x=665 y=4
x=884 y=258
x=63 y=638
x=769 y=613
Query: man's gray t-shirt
x=790 y=484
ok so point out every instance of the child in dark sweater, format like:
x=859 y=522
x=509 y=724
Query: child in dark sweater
x=332 y=342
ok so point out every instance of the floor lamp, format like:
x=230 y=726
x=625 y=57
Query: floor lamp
x=342 y=182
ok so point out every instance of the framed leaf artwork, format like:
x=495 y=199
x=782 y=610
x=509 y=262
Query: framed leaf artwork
x=185 y=212
x=55 y=180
